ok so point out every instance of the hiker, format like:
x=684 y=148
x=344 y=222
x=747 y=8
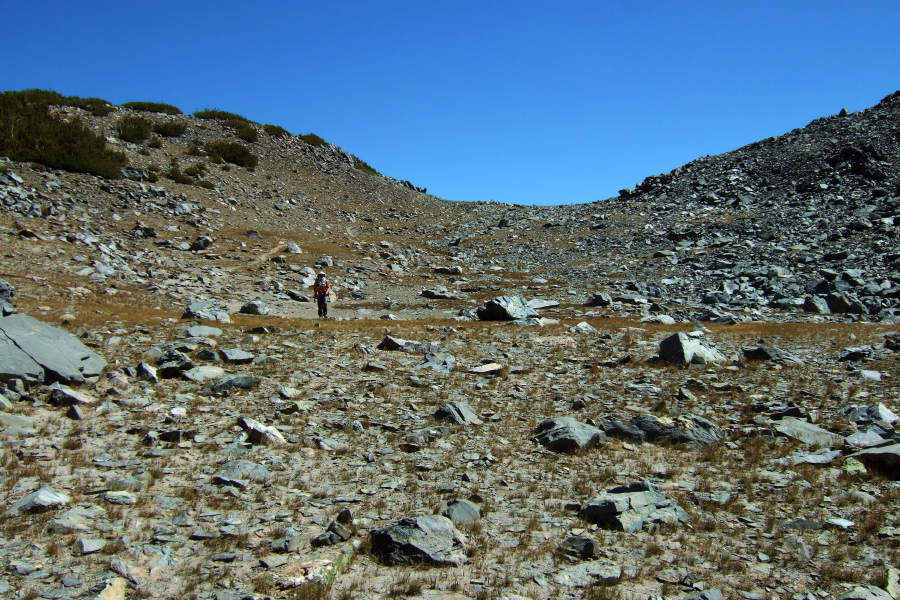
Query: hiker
x=322 y=289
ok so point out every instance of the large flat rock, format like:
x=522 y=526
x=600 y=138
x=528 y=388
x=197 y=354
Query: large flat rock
x=59 y=355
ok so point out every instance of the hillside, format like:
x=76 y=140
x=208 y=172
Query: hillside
x=700 y=398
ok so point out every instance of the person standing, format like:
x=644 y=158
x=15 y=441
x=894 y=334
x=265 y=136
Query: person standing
x=322 y=289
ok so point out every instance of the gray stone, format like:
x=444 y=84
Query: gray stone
x=227 y=383
x=587 y=573
x=203 y=373
x=688 y=429
x=430 y=539
x=440 y=292
x=683 y=348
x=866 y=592
x=201 y=243
x=460 y=511
x=82 y=517
x=36 y=352
x=807 y=433
x=600 y=299
x=506 y=308
x=240 y=473
x=771 y=354
x=89 y=546
x=885 y=460
x=42 y=499
x=207 y=310
x=203 y=331
x=457 y=412
x=293 y=248
x=236 y=356
x=629 y=508
x=565 y=434
x=258 y=433
x=255 y=307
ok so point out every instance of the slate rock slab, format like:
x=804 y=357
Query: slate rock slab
x=885 y=459
x=587 y=573
x=506 y=308
x=227 y=383
x=36 y=352
x=807 y=433
x=773 y=355
x=866 y=592
x=457 y=412
x=628 y=508
x=255 y=307
x=207 y=310
x=240 y=473
x=460 y=511
x=688 y=429
x=258 y=433
x=565 y=434
x=44 y=498
x=430 y=539
x=685 y=349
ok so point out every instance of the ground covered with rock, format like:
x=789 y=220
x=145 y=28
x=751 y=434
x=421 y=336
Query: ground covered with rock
x=687 y=391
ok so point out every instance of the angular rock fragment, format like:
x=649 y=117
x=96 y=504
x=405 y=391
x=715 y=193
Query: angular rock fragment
x=44 y=498
x=430 y=539
x=506 y=308
x=457 y=412
x=257 y=433
x=686 y=349
x=806 y=432
x=460 y=511
x=227 y=383
x=256 y=306
x=629 y=508
x=771 y=354
x=565 y=434
x=240 y=473
x=885 y=460
x=207 y=310
x=36 y=352
x=688 y=429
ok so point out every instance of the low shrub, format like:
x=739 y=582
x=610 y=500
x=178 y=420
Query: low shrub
x=154 y=142
x=169 y=128
x=154 y=107
x=312 y=139
x=276 y=131
x=98 y=106
x=194 y=149
x=29 y=132
x=363 y=166
x=133 y=129
x=212 y=113
x=248 y=133
x=195 y=170
x=177 y=176
x=232 y=152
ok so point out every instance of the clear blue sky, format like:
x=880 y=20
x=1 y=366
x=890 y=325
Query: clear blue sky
x=526 y=102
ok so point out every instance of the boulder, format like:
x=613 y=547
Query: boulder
x=885 y=460
x=240 y=473
x=36 y=353
x=688 y=429
x=807 y=433
x=565 y=434
x=256 y=306
x=629 y=508
x=600 y=299
x=201 y=243
x=772 y=354
x=42 y=499
x=225 y=384
x=207 y=310
x=457 y=412
x=866 y=592
x=6 y=299
x=430 y=539
x=440 y=292
x=258 y=433
x=506 y=308
x=460 y=511
x=685 y=349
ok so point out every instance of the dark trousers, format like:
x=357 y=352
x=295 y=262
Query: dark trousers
x=322 y=301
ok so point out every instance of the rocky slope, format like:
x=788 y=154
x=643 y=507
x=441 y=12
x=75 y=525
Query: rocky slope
x=407 y=449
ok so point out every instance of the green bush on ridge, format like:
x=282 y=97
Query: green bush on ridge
x=133 y=129
x=312 y=139
x=154 y=107
x=169 y=128
x=29 y=132
x=231 y=152
x=214 y=113
x=276 y=131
